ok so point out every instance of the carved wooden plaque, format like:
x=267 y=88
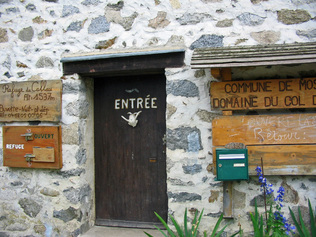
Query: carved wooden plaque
x=264 y=94
x=31 y=101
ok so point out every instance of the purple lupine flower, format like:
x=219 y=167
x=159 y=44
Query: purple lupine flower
x=288 y=228
x=279 y=198
x=258 y=169
x=269 y=189
x=263 y=181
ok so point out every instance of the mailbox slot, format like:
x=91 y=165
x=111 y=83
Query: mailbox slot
x=232 y=164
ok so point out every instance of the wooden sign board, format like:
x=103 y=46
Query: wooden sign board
x=283 y=159
x=32 y=147
x=287 y=143
x=265 y=129
x=264 y=94
x=31 y=101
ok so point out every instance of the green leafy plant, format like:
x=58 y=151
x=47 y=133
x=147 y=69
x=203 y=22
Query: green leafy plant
x=217 y=234
x=182 y=232
x=186 y=231
x=257 y=222
x=300 y=225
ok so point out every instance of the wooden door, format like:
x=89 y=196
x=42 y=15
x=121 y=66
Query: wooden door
x=130 y=161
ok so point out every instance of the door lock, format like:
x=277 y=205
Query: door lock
x=152 y=160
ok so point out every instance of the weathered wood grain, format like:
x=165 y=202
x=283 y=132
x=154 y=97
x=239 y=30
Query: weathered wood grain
x=31 y=101
x=99 y=64
x=130 y=162
x=283 y=159
x=254 y=55
x=265 y=129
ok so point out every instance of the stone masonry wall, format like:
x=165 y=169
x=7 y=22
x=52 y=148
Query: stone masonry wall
x=34 y=35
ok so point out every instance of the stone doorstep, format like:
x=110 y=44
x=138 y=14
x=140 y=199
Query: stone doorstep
x=102 y=231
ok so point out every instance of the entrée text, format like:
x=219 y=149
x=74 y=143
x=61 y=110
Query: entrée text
x=136 y=103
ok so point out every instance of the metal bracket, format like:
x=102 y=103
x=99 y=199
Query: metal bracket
x=28 y=136
x=29 y=157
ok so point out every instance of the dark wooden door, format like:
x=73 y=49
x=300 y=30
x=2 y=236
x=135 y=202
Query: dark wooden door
x=130 y=161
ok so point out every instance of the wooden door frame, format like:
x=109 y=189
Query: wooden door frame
x=138 y=61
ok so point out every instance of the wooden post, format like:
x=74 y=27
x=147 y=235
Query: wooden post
x=224 y=74
x=228 y=199
x=216 y=73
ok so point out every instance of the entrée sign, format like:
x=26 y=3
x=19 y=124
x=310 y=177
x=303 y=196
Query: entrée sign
x=136 y=103
x=31 y=100
x=264 y=94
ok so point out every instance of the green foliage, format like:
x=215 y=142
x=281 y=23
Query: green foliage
x=185 y=231
x=257 y=222
x=272 y=227
x=182 y=232
x=300 y=225
x=217 y=234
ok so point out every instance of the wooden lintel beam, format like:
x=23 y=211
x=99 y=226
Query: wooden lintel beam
x=129 y=64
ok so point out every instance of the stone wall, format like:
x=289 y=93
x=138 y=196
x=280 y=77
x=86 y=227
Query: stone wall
x=55 y=202
x=35 y=34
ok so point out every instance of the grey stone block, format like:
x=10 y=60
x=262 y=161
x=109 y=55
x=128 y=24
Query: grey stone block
x=30 y=207
x=26 y=34
x=98 y=25
x=208 y=41
x=69 y=10
x=184 y=196
x=178 y=139
x=250 y=19
x=182 y=88
x=192 y=169
x=67 y=214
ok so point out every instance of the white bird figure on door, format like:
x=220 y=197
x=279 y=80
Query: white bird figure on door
x=132 y=119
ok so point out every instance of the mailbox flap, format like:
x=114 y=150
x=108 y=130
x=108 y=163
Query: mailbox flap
x=43 y=154
x=231 y=156
x=32 y=147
